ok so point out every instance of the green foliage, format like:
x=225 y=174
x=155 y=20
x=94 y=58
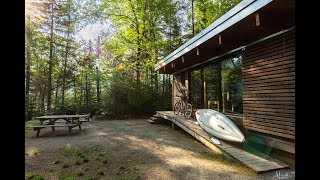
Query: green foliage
x=115 y=72
x=130 y=97
x=34 y=176
x=207 y=11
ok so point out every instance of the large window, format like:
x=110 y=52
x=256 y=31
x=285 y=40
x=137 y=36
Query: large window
x=231 y=72
x=212 y=87
x=223 y=86
x=196 y=83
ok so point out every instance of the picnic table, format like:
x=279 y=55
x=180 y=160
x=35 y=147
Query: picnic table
x=68 y=121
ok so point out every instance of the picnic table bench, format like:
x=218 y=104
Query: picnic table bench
x=39 y=127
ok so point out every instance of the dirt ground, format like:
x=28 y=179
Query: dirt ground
x=125 y=149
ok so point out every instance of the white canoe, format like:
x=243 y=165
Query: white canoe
x=218 y=125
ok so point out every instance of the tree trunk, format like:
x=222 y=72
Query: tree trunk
x=169 y=92
x=163 y=94
x=138 y=42
x=50 y=61
x=42 y=102
x=65 y=62
x=74 y=88
x=81 y=92
x=98 y=86
x=192 y=18
x=39 y=101
x=138 y=63
x=34 y=104
x=28 y=47
x=65 y=70
x=56 y=98
x=156 y=83
x=87 y=95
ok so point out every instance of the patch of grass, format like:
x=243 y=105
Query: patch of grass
x=77 y=162
x=56 y=162
x=100 y=173
x=27 y=127
x=104 y=161
x=101 y=155
x=80 y=173
x=65 y=165
x=133 y=174
x=92 y=178
x=66 y=174
x=68 y=151
x=136 y=174
x=81 y=155
x=69 y=178
x=34 y=176
x=78 y=153
x=85 y=160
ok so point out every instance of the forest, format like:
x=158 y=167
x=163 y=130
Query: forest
x=114 y=72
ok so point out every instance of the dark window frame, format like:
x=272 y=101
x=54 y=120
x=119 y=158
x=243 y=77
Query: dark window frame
x=201 y=67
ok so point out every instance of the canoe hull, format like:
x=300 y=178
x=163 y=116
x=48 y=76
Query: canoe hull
x=218 y=125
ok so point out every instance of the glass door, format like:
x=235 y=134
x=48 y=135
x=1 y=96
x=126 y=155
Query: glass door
x=196 y=89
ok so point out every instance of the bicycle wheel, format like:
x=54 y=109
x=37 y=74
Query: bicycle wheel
x=188 y=110
x=176 y=108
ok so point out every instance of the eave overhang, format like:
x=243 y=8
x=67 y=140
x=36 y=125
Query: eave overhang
x=247 y=22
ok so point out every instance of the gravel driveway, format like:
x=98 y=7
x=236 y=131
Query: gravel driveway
x=125 y=149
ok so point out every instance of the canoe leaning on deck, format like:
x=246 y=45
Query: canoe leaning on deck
x=218 y=125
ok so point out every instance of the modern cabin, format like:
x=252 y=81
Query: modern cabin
x=243 y=65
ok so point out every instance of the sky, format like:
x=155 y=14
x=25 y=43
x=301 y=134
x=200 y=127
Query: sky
x=91 y=31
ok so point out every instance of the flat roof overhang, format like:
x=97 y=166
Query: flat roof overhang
x=234 y=30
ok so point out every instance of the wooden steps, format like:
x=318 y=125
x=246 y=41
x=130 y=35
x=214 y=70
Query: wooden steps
x=151 y=121
x=156 y=116
x=154 y=119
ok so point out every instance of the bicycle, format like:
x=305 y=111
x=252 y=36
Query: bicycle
x=182 y=106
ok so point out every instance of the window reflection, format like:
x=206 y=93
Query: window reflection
x=196 y=84
x=212 y=87
x=223 y=86
x=231 y=73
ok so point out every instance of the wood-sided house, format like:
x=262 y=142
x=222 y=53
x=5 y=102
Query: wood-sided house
x=243 y=65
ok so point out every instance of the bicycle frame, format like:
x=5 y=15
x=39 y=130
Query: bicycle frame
x=182 y=109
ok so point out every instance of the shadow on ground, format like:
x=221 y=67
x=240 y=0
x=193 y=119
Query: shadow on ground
x=133 y=149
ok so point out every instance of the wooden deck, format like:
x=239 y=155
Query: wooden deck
x=257 y=163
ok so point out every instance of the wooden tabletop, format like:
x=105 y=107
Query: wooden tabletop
x=61 y=116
